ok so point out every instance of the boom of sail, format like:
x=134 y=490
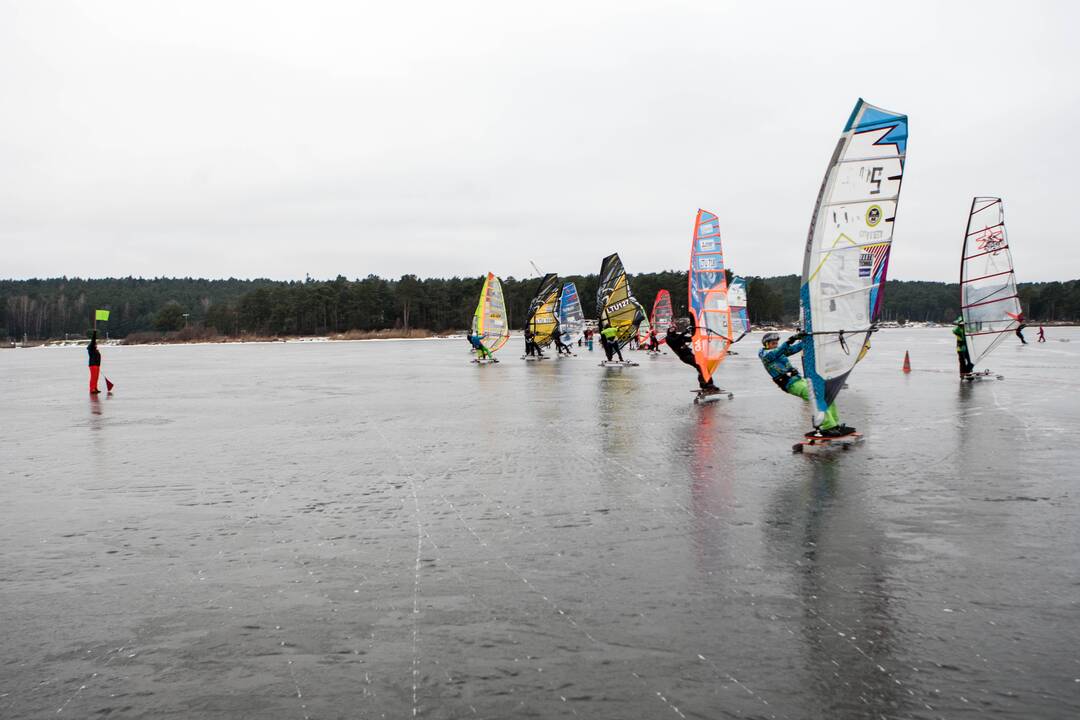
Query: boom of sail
x=847 y=249
x=571 y=317
x=615 y=305
x=989 y=300
x=489 y=320
x=542 y=320
x=708 y=295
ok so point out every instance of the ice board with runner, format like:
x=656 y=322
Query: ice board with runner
x=702 y=397
x=820 y=445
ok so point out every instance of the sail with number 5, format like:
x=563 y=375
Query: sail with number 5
x=989 y=301
x=736 y=297
x=489 y=320
x=847 y=250
x=708 y=295
x=616 y=306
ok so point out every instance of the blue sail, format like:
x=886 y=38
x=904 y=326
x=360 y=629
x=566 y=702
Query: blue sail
x=571 y=316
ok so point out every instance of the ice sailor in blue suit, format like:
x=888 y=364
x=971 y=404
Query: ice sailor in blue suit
x=775 y=359
x=481 y=351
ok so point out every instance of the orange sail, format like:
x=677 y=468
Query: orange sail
x=708 y=295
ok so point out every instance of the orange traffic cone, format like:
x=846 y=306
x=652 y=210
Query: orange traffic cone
x=907 y=362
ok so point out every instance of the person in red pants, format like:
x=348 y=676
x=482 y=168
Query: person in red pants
x=95 y=362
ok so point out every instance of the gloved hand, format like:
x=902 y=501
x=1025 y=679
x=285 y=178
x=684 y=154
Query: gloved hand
x=794 y=338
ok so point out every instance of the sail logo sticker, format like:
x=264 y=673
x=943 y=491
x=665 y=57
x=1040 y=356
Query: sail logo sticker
x=707 y=263
x=866 y=264
x=991 y=240
x=873 y=215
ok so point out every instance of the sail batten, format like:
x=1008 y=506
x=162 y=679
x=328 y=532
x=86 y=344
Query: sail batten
x=846 y=257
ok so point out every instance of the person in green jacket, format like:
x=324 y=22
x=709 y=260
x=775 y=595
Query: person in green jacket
x=966 y=366
x=609 y=338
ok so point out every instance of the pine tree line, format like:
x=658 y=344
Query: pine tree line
x=59 y=307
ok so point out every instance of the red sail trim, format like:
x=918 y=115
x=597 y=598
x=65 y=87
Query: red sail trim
x=988 y=252
x=992 y=203
x=989 y=227
x=990 y=332
x=988 y=302
x=984 y=277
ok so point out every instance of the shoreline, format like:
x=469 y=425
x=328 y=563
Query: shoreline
x=391 y=335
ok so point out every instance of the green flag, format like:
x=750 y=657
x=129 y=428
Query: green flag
x=102 y=315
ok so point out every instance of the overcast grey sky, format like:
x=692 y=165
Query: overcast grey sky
x=278 y=139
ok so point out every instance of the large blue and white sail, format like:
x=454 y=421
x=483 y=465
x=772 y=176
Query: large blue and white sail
x=847 y=249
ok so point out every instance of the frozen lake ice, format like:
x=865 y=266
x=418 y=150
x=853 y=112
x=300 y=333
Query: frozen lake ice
x=381 y=529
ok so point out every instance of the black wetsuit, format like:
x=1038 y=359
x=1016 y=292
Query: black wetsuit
x=966 y=366
x=531 y=348
x=679 y=343
x=93 y=352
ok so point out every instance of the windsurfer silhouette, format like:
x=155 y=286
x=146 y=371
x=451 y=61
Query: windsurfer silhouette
x=561 y=348
x=1020 y=328
x=654 y=343
x=95 y=362
x=679 y=341
x=774 y=357
x=531 y=348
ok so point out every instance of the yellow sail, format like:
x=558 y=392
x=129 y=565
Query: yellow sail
x=543 y=320
x=489 y=320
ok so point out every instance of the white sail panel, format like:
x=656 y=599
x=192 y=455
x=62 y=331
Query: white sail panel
x=847 y=250
x=989 y=301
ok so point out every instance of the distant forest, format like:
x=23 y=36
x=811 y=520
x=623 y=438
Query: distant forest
x=58 y=307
